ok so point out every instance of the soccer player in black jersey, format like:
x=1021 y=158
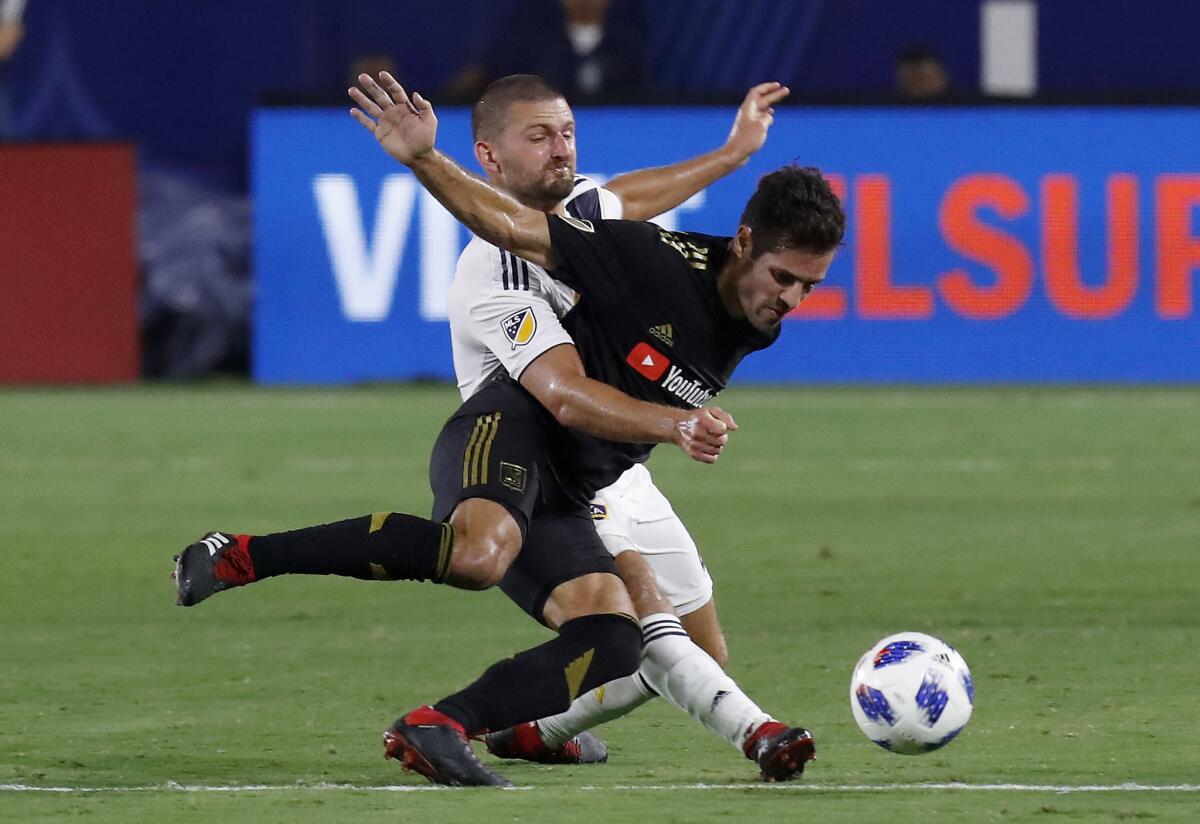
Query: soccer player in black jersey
x=630 y=286
x=740 y=289
x=721 y=297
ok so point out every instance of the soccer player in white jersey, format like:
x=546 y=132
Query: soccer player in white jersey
x=505 y=314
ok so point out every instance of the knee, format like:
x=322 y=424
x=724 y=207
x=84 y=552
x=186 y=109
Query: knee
x=486 y=540
x=641 y=584
x=480 y=561
x=622 y=641
x=591 y=594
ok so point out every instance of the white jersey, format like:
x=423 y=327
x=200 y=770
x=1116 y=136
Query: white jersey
x=505 y=311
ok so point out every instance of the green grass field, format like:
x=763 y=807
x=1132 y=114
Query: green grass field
x=1053 y=536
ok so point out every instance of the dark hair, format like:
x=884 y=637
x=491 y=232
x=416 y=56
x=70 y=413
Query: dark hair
x=487 y=118
x=794 y=208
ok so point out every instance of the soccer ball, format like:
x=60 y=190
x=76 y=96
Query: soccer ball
x=911 y=693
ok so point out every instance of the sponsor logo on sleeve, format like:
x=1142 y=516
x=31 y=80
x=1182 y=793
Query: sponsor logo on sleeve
x=599 y=511
x=520 y=327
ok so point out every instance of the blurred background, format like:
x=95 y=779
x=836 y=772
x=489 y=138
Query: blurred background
x=182 y=192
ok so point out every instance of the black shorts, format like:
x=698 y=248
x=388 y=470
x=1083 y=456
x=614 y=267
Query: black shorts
x=496 y=447
x=493 y=447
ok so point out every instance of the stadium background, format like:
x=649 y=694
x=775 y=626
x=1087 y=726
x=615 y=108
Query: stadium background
x=1039 y=243
x=161 y=216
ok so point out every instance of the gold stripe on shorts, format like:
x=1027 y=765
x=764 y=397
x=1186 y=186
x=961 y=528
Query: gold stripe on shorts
x=479 y=448
x=487 y=446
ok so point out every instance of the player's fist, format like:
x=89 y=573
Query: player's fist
x=722 y=416
x=754 y=118
x=405 y=127
x=703 y=433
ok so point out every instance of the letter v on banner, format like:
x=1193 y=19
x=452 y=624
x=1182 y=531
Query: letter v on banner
x=365 y=274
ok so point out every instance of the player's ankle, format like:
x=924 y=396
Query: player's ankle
x=764 y=731
x=427 y=715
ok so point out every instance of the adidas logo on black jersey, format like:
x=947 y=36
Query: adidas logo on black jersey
x=664 y=333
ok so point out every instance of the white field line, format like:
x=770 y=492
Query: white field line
x=1061 y=789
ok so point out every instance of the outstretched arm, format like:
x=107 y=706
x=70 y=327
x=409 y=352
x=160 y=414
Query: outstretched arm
x=650 y=192
x=406 y=129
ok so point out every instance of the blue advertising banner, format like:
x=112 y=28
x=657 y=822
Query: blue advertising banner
x=984 y=245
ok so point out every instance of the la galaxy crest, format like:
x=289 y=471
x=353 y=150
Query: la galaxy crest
x=520 y=327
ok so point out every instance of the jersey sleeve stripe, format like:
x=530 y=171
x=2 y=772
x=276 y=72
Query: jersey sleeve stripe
x=504 y=267
x=525 y=274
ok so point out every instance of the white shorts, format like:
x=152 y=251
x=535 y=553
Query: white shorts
x=632 y=514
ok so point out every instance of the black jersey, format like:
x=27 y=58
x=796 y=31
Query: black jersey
x=649 y=321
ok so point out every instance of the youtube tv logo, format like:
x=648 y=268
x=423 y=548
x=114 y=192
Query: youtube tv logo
x=648 y=361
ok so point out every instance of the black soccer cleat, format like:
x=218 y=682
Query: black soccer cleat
x=218 y=561
x=434 y=745
x=525 y=742
x=781 y=752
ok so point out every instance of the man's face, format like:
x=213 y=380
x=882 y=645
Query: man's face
x=534 y=155
x=773 y=284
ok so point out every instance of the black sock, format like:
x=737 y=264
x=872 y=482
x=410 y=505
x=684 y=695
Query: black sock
x=386 y=546
x=588 y=652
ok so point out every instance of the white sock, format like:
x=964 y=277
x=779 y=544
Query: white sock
x=689 y=678
x=604 y=703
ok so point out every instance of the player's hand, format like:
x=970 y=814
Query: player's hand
x=405 y=128
x=703 y=433
x=754 y=118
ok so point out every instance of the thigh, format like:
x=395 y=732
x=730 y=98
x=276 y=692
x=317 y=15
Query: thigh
x=559 y=546
x=638 y=578
x=596 y=593
x=672 y=554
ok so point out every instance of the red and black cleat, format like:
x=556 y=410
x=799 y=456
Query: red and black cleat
x=525 y=742
x=780 y=751
x=218 y=561
x=436 y=746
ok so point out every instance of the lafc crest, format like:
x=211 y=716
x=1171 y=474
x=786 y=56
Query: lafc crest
x=520 y=327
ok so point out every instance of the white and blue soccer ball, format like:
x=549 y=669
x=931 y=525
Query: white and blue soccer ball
x=911 y=693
